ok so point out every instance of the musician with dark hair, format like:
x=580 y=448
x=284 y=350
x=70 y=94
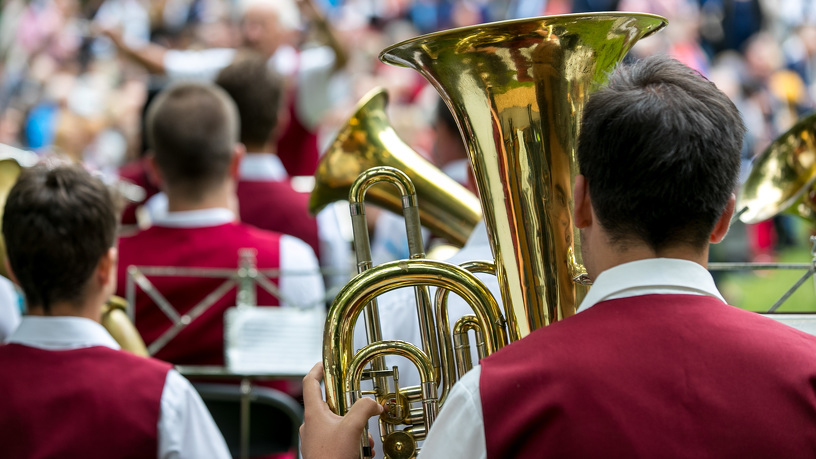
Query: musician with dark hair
x=68 y=391
x=195 y=155
x=265 y=193
x=655 y=363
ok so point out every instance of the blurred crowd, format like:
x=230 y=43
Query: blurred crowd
x=72 y=84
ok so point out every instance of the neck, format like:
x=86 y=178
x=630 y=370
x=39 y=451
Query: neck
x=267 y=147
x=221 y=196
x=89 y=309
x=617 y=254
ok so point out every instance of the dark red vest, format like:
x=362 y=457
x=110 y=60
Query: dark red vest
x=85 y=403
x=202 y=341
x=136 y=173
x=276 y=206
x=668 y=376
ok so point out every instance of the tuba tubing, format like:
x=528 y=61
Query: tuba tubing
x=350 y=301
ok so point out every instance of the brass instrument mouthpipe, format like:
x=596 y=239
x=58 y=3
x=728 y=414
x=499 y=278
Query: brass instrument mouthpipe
x=410 y=209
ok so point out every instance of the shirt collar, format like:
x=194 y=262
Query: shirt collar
x=262 y=167
x=57 y=333
x=195 y=218
x=655 y=275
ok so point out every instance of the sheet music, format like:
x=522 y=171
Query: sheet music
x=273 y=339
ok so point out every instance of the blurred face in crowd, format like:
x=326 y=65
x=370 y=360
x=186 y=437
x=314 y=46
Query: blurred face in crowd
x=261 y=29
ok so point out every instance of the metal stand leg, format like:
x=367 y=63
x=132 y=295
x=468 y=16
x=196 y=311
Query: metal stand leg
x=246 y=388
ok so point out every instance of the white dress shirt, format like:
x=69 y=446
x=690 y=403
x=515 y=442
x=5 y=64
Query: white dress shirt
x=296 y=256
x=186 y=428
x=461 y=417
x=10 y=302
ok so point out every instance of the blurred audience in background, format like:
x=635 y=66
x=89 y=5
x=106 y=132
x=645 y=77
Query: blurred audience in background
x=78 y=73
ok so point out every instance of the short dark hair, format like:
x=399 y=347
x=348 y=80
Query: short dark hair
x=192 y=129
x=58 y=222
x=256 y=90
x=660 y=149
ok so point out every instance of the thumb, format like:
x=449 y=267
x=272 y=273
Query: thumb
x=363 y=409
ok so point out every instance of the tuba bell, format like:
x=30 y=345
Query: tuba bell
x=517 y=91
x=783 y=177
x=367 y=140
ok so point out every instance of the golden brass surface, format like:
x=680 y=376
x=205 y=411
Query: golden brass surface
x=344 y=369
x=395 y=408
x=9 y=171
x=517 y=90
x=399 y=445
x=782 y=176
x=118 y=324
x=367 y=140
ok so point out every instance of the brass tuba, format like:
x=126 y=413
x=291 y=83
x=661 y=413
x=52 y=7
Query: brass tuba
x=517 y=90
x=367 y=140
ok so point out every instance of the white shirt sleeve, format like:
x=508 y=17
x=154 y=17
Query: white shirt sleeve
x=300 y=282
x=197 y=64
x=461 y=418
x=9 y=308
x=335 y=248
x=186 y=428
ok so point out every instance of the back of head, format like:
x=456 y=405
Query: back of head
x=660 y=148
x=58 y=223
x=256 y=90
x=192 y=130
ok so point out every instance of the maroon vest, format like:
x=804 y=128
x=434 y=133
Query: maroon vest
x=276 y=206
x=136 y=173
x=297 y=146
x=91 y=403
x=679 y=376
x=202 y=341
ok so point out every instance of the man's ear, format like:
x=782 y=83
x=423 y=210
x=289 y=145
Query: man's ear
x=106 y=269
x=10 y=271
x=235 y=164
x=724 y=223
x=583 y=207
x=152 y=170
